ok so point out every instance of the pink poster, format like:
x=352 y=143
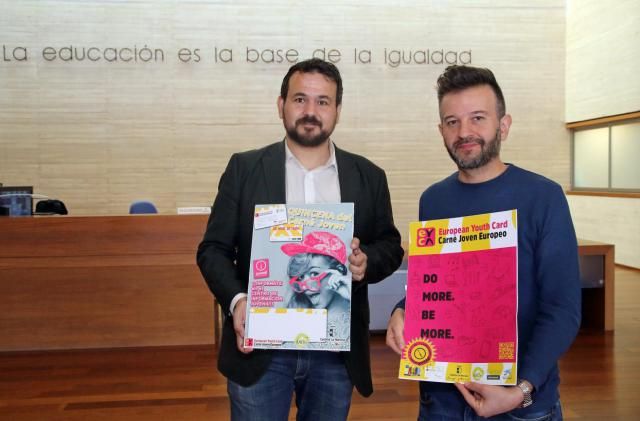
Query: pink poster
x=461 y=308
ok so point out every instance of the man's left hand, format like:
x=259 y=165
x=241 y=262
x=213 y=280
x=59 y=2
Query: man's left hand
x=489 y=400
x=357 y=261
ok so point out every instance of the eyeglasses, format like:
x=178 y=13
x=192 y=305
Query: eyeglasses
x=310 y=284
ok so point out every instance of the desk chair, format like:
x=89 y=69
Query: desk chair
x=142 y=206
x=51 y=207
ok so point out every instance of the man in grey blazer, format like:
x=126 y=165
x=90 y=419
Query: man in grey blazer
x=306 y=167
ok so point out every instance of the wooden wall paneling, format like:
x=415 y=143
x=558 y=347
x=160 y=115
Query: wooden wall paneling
x=93 y=282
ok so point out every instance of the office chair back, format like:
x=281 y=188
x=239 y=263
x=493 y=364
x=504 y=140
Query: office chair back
x=51 y=207
x=142 y=206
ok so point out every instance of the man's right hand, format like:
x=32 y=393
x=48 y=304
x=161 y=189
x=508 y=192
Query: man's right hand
x=239 y=316
x=395 y=331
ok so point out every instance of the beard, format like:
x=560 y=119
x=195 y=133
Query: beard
x=489 y=149
x=304 y=138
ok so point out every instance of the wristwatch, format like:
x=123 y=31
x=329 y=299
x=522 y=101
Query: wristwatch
x=526 y=388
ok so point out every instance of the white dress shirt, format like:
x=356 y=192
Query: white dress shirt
x=320 y=185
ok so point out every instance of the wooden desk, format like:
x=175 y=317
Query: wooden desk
x=99 y=282
x=598 y=303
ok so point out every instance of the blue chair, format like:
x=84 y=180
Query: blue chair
x=142 y=206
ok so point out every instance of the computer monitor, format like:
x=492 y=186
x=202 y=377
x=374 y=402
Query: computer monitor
x=17 y=200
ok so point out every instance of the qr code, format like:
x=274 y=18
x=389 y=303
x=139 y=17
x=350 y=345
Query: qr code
x=506 y=350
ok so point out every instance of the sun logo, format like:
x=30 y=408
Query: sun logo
x=420 y=352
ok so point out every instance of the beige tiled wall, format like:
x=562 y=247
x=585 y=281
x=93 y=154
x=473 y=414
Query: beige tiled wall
x=603 y=57
x=101 y=134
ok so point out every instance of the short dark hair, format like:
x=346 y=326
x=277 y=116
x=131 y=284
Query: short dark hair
x=457 y=78
x=314 y=65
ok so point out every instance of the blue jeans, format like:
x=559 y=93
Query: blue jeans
x=319 y=379
x=453 y=408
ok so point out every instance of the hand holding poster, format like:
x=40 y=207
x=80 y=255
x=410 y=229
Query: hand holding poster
x=299 y=282
x=461 y=307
